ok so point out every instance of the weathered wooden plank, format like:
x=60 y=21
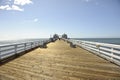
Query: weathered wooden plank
x=59 y=62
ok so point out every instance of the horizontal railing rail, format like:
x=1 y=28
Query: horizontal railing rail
x=110 y=52
x=8 y=50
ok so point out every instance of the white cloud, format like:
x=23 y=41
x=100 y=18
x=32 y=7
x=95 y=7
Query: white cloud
x=16 y=5
x=22 y=2
x=13 y=7
x=4 y=7
x=35 y=20
x=31 y=20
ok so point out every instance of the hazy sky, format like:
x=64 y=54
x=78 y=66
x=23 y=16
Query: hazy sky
x=42 y=18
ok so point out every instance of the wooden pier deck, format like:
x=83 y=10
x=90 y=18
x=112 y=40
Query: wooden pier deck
x=59 y=62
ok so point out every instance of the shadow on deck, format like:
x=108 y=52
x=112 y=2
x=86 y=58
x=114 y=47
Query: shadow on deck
x=59 y=62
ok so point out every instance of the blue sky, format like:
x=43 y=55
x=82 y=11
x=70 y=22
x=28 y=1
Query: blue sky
x=21 y=19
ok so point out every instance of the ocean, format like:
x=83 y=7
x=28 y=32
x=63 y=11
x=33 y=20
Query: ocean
x=102 y=40
x=20 y=41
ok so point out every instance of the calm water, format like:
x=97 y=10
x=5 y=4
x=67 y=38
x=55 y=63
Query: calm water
x=19 y=41
x=103 y=40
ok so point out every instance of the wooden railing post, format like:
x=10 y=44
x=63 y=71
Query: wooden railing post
x=15 y=49
x=31 y=44
x=25 y=46
x=111 y=53
x=0 y=53
x=98 y=47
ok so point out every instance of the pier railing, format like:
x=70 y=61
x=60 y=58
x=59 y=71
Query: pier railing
x=110 y=52
x=8 y=50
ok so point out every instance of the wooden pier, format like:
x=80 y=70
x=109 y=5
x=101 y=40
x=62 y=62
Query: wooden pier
x=59 y=62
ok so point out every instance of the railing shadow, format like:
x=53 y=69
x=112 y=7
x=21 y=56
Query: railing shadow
x=11 y=58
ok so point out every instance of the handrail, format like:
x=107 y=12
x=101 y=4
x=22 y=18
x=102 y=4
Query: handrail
x=8 y=50
x=110 y=52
